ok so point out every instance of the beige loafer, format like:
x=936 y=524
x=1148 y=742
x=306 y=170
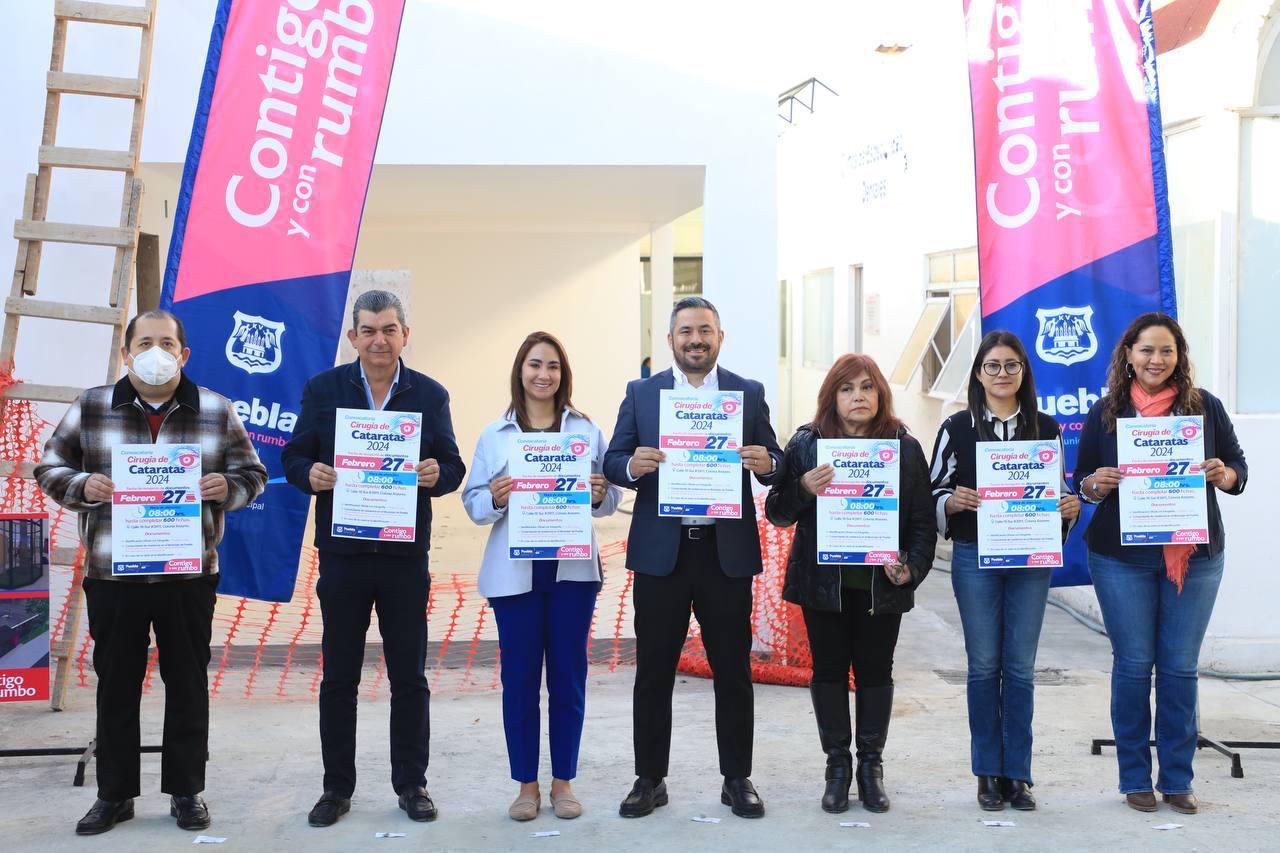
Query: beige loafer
x=566 y=806
x=525 y=808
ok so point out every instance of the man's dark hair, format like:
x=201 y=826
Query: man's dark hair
x=691 y=302
x=375 y=302
x=156 y=314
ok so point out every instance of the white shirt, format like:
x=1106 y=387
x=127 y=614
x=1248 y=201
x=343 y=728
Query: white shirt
x=710 y=382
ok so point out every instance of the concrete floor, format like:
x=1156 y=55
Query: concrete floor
x=265 y=771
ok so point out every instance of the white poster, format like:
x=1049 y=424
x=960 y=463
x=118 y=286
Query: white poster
x=858 y=510
x=1162 y=493
x=701 y=434
x=155 y=510
x=375 y=454
x=549 y=509
x=1019 y=483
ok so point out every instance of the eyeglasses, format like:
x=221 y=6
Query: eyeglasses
x=992 y=368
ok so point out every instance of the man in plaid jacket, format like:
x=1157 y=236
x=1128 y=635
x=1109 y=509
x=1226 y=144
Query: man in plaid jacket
x=154 y=403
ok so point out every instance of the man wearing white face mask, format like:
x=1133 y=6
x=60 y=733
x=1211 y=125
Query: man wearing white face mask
x=153 y=403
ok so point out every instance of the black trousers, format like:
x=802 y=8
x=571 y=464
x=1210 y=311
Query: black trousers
x=723 y=607
x=121 y=618
x=852 y=638
x=349 y=588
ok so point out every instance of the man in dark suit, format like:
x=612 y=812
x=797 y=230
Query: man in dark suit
x=357 y=575
x=694 y=562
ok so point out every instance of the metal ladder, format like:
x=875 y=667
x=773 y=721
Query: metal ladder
x=33 y=230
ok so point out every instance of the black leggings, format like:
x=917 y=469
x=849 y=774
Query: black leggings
x=854 y=638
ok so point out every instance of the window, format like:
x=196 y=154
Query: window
x=784 y=319
x=1259 y=291
x=961 y=305
x=818 y=319
x=953 y=379
x=855 y=309
x=920 y=343
x=687 y=273
x=952 y=276
x=1193 y=217
x=958 y=268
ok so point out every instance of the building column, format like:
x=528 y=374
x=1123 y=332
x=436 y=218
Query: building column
x=662 y=284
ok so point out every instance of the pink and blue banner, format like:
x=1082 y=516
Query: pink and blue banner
x=1073 y=222
x=265 y=232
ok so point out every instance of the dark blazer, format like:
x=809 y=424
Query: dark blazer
x=653 y=541
x=812 y=585
x=1098 y=450
x=312 y=442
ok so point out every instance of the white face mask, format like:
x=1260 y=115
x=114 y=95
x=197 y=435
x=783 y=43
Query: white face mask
x=154 y=366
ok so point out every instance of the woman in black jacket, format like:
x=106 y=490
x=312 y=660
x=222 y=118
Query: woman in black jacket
x=852 y=613
x=1001 y=609
x=1156 y=599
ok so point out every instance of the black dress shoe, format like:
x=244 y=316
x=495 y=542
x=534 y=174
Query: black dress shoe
x=741 y=796
x=328 y=809
x=1017 y=794
x=103 y=815
x=990 y=798
x=645 y=796
x=416 y=803
x=191 y=812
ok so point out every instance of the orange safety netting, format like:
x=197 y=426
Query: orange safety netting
x=271 y=651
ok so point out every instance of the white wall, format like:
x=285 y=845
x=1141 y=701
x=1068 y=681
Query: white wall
x=1204 y=86
x=922 y=95
x=474 y=89
x=919 y=99
x=476 y=296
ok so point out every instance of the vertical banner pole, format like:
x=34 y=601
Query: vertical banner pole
x=265 y=232
x=1073 y=222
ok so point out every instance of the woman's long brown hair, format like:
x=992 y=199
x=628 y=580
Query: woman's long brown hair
x=1118 y=377
x=564 y=394
x=846 y=369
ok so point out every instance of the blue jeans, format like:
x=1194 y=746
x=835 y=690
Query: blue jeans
x=1001 y=611
x=552 y=622
x=1151 y=625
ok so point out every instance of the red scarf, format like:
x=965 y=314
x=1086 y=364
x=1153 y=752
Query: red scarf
x=1176 y=557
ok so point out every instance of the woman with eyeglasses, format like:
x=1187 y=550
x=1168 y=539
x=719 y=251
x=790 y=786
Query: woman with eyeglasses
x=1156 y=600
x=852 y=613
x=1001 y=609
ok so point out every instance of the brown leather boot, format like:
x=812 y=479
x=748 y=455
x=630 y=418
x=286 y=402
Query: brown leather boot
x=1183 y=803
x=1143 y=801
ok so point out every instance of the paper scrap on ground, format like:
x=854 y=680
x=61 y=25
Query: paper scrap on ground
x=860 y=824
x=1168 y=826
x=388 y=835
x=546 y=834
x=704 y=819
x=998 y=823
x=208 y=839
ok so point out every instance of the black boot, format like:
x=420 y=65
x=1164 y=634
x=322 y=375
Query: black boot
x=873 y=706
x=990 y=797
x=831 y=710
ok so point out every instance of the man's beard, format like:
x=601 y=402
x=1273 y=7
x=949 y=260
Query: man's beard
x=686 y=367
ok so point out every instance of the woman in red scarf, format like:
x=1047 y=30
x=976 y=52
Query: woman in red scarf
x=1156 y=600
